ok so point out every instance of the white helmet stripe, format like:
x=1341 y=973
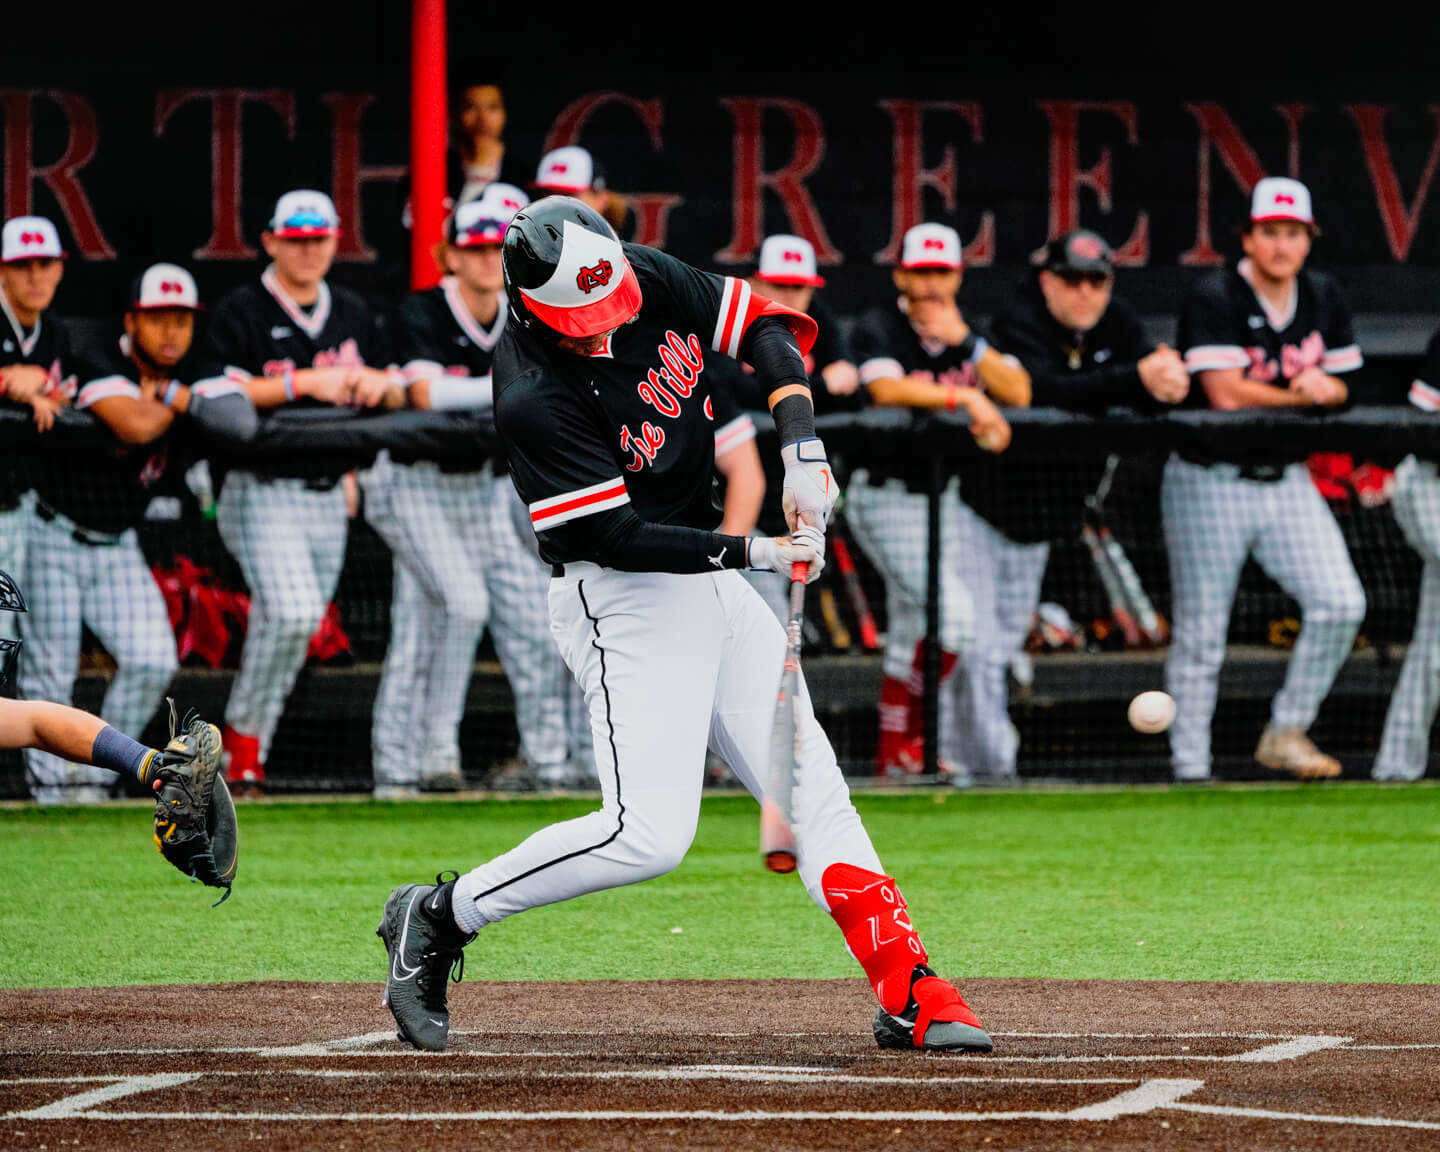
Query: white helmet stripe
x=590 y=269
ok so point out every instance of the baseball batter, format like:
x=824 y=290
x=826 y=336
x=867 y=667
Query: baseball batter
x=1405 y=743
x=1267 y=332
x=604 y=412
x=84 y=561
x=34 y=368
x=459 y=563
x=919 y=352
x=300 y=341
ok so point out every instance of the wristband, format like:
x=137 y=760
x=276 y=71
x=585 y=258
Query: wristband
x=978 y=349
x=172 y=390
x=952 y=397
x=289 y=384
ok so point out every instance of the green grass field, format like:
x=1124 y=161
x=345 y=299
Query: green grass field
x=1330 y=883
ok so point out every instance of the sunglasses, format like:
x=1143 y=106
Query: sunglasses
x=1074 y=279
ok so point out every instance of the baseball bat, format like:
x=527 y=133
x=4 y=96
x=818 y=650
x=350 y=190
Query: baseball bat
x=834 y=626
x=854 y=593
x=777 y=838
x=1114 y=589
x=1142 y=610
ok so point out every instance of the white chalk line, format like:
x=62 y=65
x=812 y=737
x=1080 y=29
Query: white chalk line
x=1308 y=1117
x=1147 y=1097
x=80 y=1103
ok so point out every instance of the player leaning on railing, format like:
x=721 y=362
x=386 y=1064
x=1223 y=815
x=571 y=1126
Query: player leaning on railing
x=606 y=420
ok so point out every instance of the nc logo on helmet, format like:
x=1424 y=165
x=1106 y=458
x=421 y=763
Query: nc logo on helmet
x=597 y=277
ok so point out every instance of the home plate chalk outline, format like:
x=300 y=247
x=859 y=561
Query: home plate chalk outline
x=1148 y=1094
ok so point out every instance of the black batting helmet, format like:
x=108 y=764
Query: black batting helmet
x=10 y=601
x=565 y=271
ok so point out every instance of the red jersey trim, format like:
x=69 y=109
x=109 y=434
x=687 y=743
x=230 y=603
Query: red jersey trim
x=557 y=510
x=740 y=307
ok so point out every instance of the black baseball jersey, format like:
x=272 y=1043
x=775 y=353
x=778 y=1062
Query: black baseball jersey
x=46 y=346
x=1225 y=324
x=614 y=453
x=1425 y=388
x=435 y=334
x=886 y=344
x=111 y=492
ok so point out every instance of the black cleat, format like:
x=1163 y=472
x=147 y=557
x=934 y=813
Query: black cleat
x=950 y=1024
x=424 y=947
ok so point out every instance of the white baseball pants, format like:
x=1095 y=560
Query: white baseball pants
x=1405 y=744
x=670 y=664
x=289 y=541
x=1213 y=520
x=108 y=587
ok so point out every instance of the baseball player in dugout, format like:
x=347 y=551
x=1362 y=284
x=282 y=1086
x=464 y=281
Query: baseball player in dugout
x=459 y=562
x=34 y=370
x=1266 y=332
x=918 y=351
x=573 y=171
x=297 y=341
x=1086 y=350
x=604 y=412
x=84 y=564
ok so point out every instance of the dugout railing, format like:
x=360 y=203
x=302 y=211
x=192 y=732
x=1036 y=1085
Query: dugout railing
x=1067 y=691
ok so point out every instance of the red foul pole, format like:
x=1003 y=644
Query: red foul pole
x=428 y=115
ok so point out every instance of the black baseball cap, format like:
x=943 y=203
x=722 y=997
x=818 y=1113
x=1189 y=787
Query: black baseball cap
x=1079 y=253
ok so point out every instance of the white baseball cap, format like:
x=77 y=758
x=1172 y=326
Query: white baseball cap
x=568 y=170
x=788 y=260
x=165 y=286
x=476 y=224
x=302 y=213
x=503 y=200
x=30 y=238
x=931 y=246
x=1280 y=198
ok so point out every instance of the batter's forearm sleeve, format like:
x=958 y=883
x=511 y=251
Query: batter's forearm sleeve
x=770 y=348
x=622 y=540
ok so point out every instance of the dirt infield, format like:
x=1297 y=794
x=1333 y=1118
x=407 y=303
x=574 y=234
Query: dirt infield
x=723 y=1065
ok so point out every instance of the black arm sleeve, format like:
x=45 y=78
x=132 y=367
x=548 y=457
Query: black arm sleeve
x=621 y=539
x=771 y=348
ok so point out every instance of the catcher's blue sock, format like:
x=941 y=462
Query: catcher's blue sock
x=114 y=750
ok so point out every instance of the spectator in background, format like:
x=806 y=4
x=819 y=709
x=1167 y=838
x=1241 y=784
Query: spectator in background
x=85 y=566
x=1404 y=752
x=479 y=146
x=920 y=352
x=573 y=171
x=34 y=370
x=1086 y=350
x=296 y=341
x=1265 y=333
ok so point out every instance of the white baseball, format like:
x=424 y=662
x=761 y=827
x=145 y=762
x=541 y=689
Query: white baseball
x=1152 y=712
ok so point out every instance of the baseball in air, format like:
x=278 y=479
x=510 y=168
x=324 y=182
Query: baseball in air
x=1152 y=712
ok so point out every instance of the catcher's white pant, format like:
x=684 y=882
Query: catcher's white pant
x=289 y=541
x=1405 y=744
x=670 y=664
x=1213 y=520
x=459 y=566
x=108 y=587
x=892 y=524
x=1004 y=580
x=12 y=557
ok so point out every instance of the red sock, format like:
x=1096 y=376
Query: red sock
x=916 y=687
x=894 y=721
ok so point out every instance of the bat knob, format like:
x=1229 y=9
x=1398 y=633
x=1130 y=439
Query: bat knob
x=780 y=861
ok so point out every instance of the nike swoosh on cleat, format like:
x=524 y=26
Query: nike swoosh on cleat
x=437 y=1023
x=396 y=963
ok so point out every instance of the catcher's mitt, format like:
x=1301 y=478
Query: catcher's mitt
x=194 y=815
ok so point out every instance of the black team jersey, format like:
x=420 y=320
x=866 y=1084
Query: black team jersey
x=1225 y=324
x=614 y=453
x=436 y=335
x=46 y=346
x=886 y=344
x=112 y=490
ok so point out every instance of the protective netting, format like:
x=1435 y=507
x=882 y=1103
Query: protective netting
x=1028 y=668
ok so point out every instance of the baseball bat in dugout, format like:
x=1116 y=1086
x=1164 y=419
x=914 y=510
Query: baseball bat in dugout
x=854 y=592
x=777 y=838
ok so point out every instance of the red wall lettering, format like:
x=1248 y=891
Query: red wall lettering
x=751 y=180
x=1400 y=220
x=21 y=172
x=911 y=177
x=226 y=238
x=347 y=174
x=1067 y=178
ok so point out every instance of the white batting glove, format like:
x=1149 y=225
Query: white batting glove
x=810 y=489
x=780 y=553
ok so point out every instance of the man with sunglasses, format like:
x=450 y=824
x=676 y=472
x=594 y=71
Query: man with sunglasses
x=1086 y=350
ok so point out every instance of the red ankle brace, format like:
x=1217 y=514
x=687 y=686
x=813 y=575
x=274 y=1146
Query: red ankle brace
x=871 y=913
